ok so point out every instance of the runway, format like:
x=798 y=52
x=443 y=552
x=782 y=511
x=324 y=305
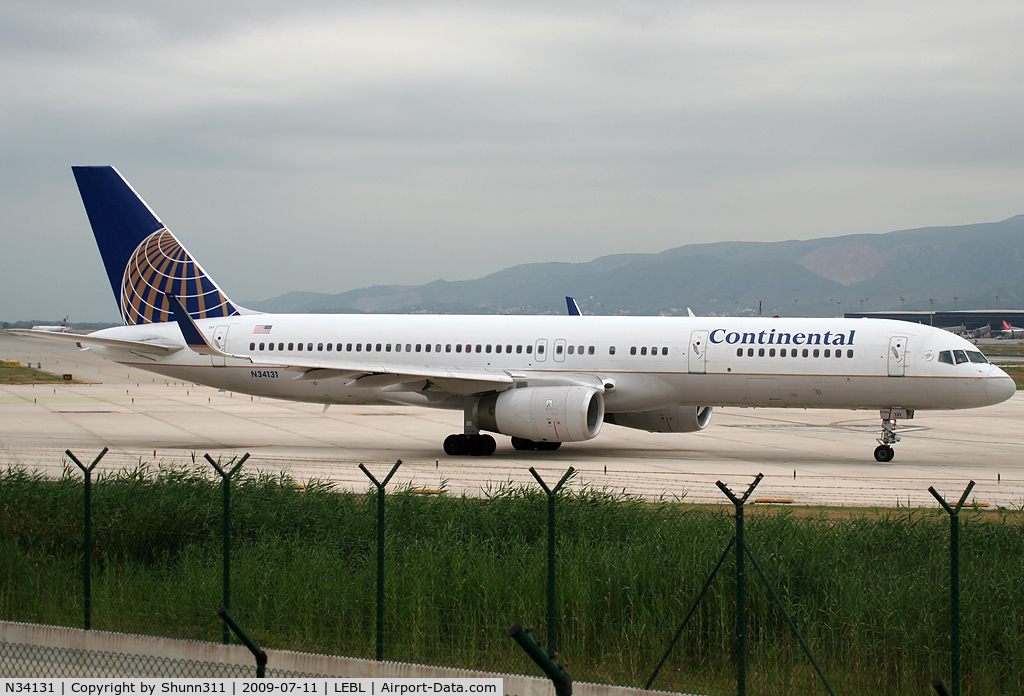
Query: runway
x=811 y=457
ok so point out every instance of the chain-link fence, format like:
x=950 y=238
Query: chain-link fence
x=868 y=592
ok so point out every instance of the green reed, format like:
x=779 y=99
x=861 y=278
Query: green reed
x=868 y=591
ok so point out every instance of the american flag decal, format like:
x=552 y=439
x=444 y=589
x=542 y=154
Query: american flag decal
x=262 y=328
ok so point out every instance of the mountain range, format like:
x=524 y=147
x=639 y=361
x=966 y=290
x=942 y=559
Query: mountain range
x=977 y=266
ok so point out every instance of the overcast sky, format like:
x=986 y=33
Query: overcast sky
x=329 y=146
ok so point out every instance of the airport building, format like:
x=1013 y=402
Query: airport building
x=965 y=319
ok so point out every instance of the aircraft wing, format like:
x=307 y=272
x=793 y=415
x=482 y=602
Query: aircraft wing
x=363 y=374
x=86 y=339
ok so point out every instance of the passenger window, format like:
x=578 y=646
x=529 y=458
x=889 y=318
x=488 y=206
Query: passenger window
x=359 y=347
x=946 y=357
x=262 y=346
x=632 y=350
x=739 y=352
x=320 y=347
x=497 y=348
x=291 y=346
x=330 y=346
x=782 y=353
x=252 y=346
x=572 y=349
x=408 y=347
x=580 y=350
x=437 y=348
x=849 y=353
x=337 y=348
x=654 y=351
x=961 y=357
x=398 y=347
x=540 y=349
x=378 y=347
x=479 y=348
x=348 y=347
x=529 y=350
x=508 y=349
x=828 y=352
x=387 y=348
x=427 y=347
x=272 y=346
x=519 y=349
x=488 y=348
x=816 y=353
x=805 y=352
x=771 y=352
x=448 y=348
x=458 y=347
x=558 y=349
x=643 y=350
x=419 y=347
x=750 y=352
x=760 y=352
x=664 y=350
x=309 y=346
x=976 y=357
x=839 y=353
x=611 y=350
x=590 y=350
x=280 y=346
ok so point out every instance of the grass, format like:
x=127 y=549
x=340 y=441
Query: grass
x=869 y=592
x=29 y=375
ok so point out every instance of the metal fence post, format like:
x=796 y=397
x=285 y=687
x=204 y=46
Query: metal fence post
x=87 y=533
x=954 y=581
x=552 y=637
x=741 y=597
x=261 y=657
x=380 y=553
x=225 y=477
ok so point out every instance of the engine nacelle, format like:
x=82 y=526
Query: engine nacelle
x=676 y=419
x=543 y=414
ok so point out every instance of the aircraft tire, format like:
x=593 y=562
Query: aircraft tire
x=455 y=445
x=491 y=444
x=519 y=443
x=548 y=446
x=477 y=445
x=884 y=453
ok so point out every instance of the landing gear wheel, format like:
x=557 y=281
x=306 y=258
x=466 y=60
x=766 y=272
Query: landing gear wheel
x=455 y=445
x=548 y=446
x=519 y=443
x=884 y=453
x=480 y=445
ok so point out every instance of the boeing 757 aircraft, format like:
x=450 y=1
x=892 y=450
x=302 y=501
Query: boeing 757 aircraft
x=543 y=380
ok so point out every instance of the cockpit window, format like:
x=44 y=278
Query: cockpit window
x=976 y=356
x=961 y=356
x=946 y=357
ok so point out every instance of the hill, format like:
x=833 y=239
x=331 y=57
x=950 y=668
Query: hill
x=817 y=277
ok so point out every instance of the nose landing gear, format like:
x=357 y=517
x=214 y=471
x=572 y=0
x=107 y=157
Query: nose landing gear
x=884 y=452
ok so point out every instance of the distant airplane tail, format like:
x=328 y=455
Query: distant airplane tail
x=1006 y=326
x=144 y=261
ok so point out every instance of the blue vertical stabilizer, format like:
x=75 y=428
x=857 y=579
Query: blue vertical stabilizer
x=144 y=261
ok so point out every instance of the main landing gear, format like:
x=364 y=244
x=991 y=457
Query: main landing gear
x=884 y=452
x=473 y=445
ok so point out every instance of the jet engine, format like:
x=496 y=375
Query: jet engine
x=675 y=419
x=543 y=414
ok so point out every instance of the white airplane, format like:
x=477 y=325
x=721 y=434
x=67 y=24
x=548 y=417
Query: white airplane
x=543 y=380
x=1010 y=331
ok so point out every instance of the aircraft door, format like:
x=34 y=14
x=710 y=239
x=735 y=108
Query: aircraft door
x=220 y=342
x=559 y=354
x=540 y=350
x=897 y=356
x=698 y=352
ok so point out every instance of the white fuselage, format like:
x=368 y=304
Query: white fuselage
x=699 y=361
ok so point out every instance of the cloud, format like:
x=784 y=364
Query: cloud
x=404 y=142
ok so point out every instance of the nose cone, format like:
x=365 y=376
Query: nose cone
x=1000 y=386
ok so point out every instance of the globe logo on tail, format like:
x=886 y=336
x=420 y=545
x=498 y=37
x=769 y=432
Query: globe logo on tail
x=161 y=265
